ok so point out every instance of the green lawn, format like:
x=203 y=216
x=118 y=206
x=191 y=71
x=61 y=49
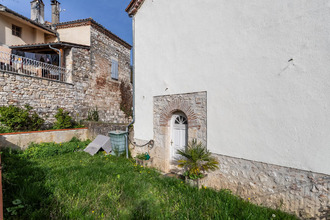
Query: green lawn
x=60 y=181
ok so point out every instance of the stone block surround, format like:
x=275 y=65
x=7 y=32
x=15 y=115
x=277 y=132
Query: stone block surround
x=194 y=106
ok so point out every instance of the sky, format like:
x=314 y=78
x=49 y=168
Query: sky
x=109 y=13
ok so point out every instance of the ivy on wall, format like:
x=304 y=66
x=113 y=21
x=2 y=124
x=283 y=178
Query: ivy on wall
x=126 y=103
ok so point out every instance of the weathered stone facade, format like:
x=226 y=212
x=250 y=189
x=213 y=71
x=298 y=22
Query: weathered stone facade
x=101 y=128
x=297 y=191
x=194 y=106
x=89 y=86
x=44 y=95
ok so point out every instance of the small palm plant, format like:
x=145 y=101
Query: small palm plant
x=196 y=160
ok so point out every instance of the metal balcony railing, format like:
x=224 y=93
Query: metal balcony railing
x=13 y=63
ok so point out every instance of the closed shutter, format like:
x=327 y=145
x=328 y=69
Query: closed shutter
x=114 y=69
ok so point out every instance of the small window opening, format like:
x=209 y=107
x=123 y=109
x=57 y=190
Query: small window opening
x=181 y=120
x=16 y=31
x=114 y=69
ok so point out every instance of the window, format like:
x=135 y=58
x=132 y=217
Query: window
x=16 y=31
x=114 y=69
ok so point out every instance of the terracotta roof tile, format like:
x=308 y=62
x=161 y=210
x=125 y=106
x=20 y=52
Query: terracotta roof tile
x=133 y=7
x=63 y=43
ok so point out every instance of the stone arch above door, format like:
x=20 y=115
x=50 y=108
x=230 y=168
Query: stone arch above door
x=193 y=105
x=178 y=104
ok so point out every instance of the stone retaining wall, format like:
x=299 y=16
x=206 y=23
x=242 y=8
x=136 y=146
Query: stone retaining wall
x=44 y=95
x=96 y=128
x=21 y=140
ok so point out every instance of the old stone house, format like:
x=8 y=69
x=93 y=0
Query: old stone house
x=249 y=79
x=91 y=63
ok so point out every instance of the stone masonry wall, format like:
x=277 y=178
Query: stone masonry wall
x=92 y=72
x=45 y=96
x=89 y=84
x=194 y=106
x=100 y=128
x=296 y=191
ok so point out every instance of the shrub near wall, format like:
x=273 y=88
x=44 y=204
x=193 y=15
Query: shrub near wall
x=14 y=118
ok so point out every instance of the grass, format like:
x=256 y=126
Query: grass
x=60 y=181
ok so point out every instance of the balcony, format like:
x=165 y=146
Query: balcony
x=22 y=65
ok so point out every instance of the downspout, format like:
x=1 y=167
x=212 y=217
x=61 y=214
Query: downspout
x=59 y=53
x=59 y=62
x=133 y=85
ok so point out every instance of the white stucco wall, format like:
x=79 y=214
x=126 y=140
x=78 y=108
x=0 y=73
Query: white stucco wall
x=77 y=35
x=261 y=106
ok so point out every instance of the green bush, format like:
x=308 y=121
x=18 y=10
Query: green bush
x=63 y=120
x=43 y=150
x=126 y=103
x=4 y=129
x=19 y=119
x=93 y=115
x=196 y=160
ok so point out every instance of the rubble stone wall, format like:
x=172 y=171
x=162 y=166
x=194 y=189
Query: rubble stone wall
x=89 y=84
x=296 y=191
x=92 y=73
x=44 y=95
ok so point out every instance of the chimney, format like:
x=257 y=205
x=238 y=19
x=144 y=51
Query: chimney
x=55 y=11
x=37 y=11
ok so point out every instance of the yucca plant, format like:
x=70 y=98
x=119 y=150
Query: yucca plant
x=196 y=160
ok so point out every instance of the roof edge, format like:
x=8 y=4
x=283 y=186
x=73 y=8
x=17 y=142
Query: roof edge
x=92 y=22
x=133 y=7
x=60 y=43
x=5 y=9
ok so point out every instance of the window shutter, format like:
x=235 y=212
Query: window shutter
x=114 y=69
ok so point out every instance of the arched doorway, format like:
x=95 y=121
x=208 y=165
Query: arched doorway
x=179 y=133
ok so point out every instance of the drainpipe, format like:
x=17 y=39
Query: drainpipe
x=59 y=53
x=133 y=84
x=60 y=59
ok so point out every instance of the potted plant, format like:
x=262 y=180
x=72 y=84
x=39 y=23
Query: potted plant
x=142 y=159
x=196 y=160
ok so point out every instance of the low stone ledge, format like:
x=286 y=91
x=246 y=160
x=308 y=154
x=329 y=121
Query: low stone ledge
x=21 y=140
x=102 y=128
